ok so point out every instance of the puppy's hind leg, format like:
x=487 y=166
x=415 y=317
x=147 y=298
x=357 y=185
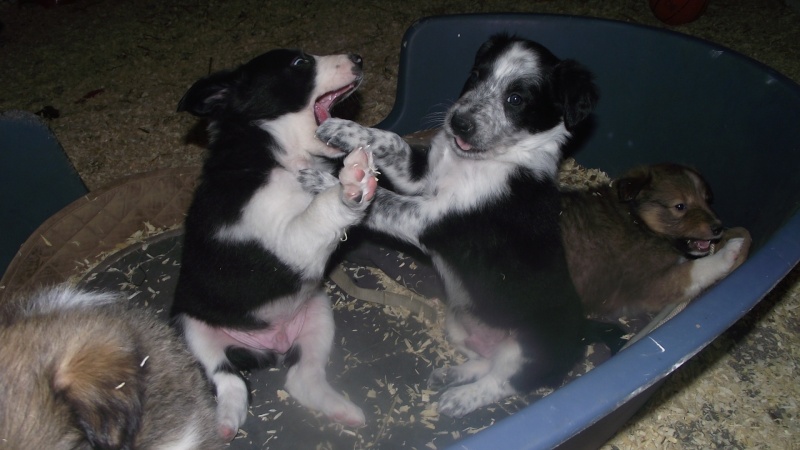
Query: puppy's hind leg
x=494 y=385
x=306 y=380
x=208 y=346
x=461 y=374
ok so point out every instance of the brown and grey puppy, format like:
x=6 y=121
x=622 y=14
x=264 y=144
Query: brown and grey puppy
x=82 y=371
x=647 y=240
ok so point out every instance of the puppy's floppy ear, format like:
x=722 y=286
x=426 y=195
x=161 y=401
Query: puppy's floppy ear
x=495 y=40
x=100 y=382
x=208 y=95
x=631 y=183
x=575 y=91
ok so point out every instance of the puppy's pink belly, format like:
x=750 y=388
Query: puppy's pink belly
x=484 y=340
x=279 y=336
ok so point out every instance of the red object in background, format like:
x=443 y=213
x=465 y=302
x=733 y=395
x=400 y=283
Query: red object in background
x=678 y=12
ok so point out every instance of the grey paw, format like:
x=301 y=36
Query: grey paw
x=316 y=181
x=343 y=134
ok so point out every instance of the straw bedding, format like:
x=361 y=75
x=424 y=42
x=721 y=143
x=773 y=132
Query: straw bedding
x=109 y=75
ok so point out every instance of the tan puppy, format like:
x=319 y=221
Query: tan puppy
x=80 y=370
x=646 y=240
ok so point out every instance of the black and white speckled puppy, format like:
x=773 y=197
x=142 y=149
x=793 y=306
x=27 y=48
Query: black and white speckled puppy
x=483 y=203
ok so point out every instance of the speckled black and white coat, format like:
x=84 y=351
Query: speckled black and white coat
x=483 y=202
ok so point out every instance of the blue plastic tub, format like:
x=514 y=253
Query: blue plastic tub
x=36 y=179
x=664 y=97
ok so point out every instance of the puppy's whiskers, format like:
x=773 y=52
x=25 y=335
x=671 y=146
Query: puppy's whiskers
x=435 y=119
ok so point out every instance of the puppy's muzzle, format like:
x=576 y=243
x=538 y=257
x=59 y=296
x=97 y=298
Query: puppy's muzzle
x=358 y=63
x=462 y=125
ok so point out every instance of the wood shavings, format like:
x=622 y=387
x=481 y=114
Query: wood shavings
x=571 y=174
x=399 y=405
x=139 y=237
x=282 y=395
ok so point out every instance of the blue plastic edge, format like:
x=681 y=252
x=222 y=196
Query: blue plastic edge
x=556 y=418
x=571 y=409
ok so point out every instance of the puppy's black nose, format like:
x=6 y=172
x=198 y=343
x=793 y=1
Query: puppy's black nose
x=356 y=59
x=716 y=228
x=462 y=126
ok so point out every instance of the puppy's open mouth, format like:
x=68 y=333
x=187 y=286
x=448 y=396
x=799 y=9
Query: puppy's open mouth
x=323 y=104
x=462 y=144
x=700 y=247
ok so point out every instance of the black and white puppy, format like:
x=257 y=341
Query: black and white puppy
x=82 y=370
x=483 y=203
x=256 y=244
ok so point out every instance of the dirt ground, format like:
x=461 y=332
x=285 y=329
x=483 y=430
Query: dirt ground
x=110 y=74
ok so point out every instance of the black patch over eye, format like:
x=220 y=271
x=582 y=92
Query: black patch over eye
x=300 y=61
x=514 y=100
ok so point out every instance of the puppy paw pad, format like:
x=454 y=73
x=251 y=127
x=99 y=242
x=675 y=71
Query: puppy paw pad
x=358 y=178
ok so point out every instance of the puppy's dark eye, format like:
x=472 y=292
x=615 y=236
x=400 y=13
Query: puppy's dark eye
x=514 y=99
x=300 y=61
x=680 y=206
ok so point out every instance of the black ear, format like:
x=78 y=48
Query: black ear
x=208 y=95
x=632 y=182
x=494 y=41
x=575 y=91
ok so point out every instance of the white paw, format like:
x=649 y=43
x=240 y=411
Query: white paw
x=707 y=271
x=456 y=375
x=461 y=400
x=320 y=396
x=440 y=378
x=343 y=411
x=730 y=252
x=232 y=404
x=358 y=179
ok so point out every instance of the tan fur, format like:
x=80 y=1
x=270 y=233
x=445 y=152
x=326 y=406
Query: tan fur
x=102 y=376
x=638 y=244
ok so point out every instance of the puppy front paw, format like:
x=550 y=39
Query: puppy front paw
x=734 y=253
x=735 y=245
x=343 y=134
x=358 y=179
x=315 y=181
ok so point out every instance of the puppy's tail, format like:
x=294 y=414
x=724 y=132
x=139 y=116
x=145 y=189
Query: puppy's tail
x=610 y=334
x=58 y=298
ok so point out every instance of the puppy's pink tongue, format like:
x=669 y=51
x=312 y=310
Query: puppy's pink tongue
x=320 y=113
x=462 y=144
x=702 y=245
